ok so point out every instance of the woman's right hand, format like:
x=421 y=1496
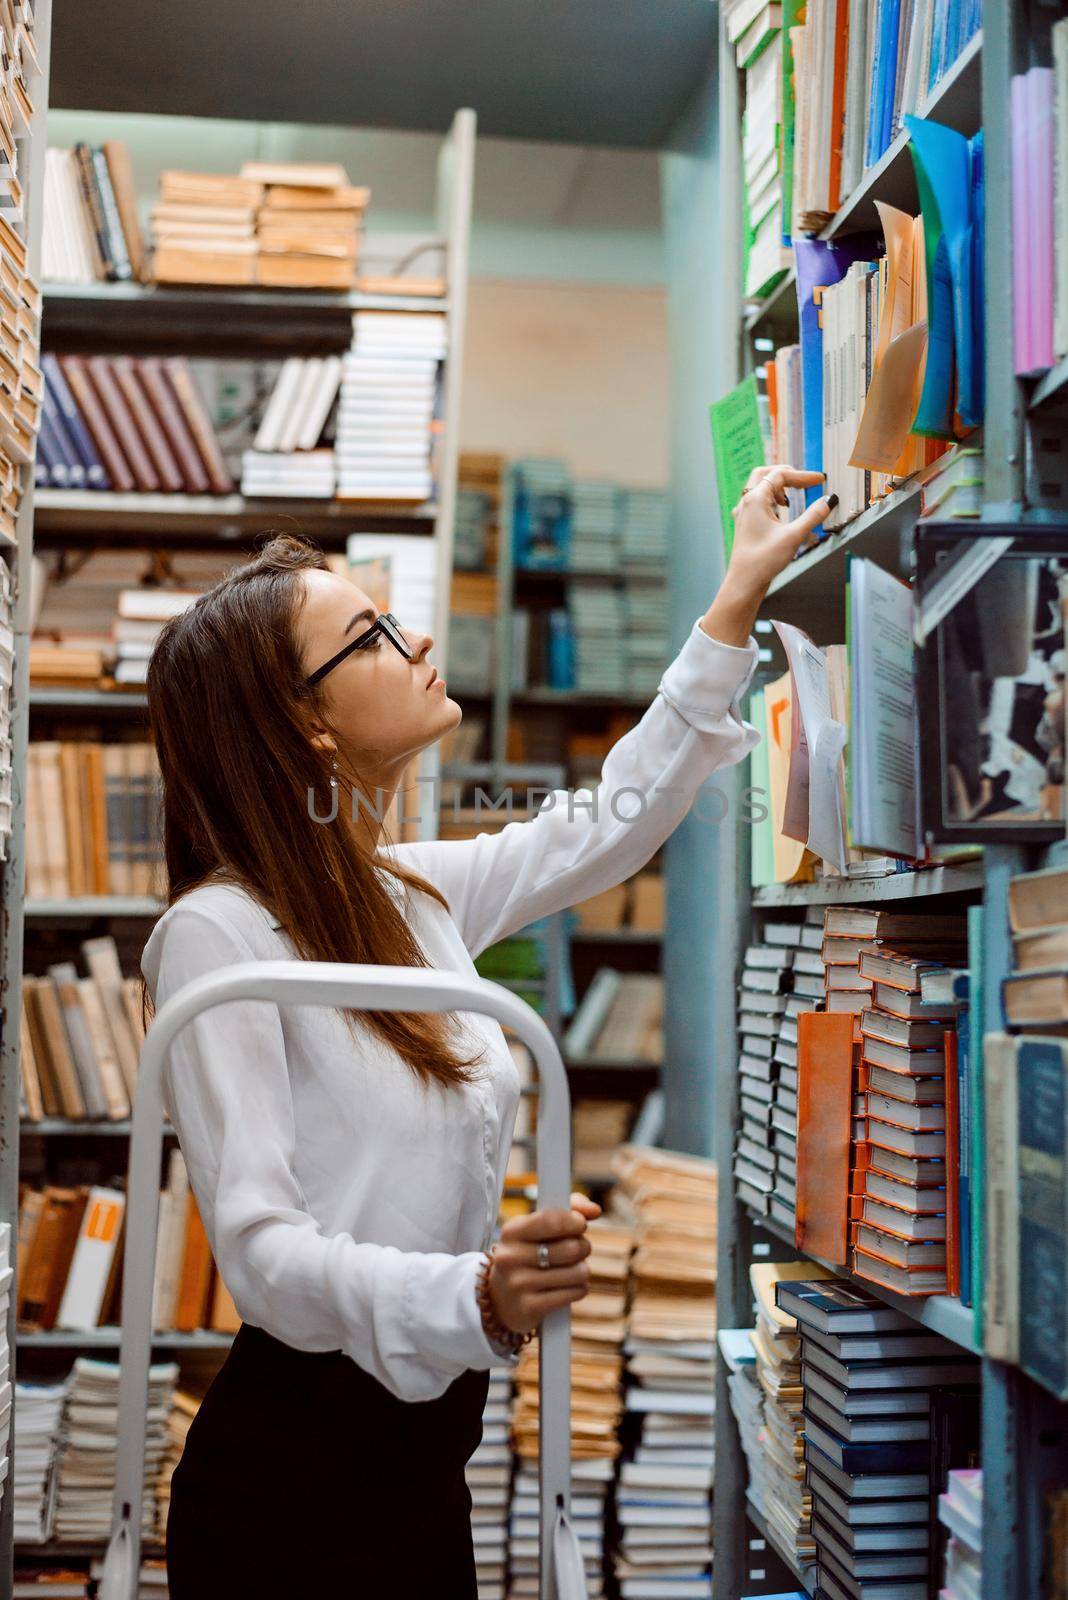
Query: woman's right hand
x=523 y=1293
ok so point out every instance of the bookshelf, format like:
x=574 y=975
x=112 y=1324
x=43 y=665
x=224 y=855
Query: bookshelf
x=1024 y=1428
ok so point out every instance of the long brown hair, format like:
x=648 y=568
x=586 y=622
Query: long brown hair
x=229 y=712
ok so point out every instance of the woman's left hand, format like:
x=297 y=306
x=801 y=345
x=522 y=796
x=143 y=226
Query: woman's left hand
x=763 y=546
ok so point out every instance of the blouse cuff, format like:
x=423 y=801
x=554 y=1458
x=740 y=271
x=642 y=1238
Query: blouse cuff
x=707 y=679
x=479 y=1349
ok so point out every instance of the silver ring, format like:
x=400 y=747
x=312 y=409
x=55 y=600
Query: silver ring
x=543 y=1256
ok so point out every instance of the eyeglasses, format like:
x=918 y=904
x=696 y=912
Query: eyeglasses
x=386 y=624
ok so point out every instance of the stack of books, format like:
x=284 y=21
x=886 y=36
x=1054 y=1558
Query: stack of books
x=754 y=28
x=93 y=823
x=960 y=1511
x=645 y=637
x=40 y=1409
x=91 y=230
x=598 y=1128
x=597 y=1330
x=126 y=423
x=80 y=1037
x=888 y=1410
x=7 y=671
x=783 y=977
x=620 y=1018
x=89 y=1446
x=591 y=1496
x=953 y=487
x=595 y=532
x=7 y=1274
x=646 y=529
x=472 y=632
x=69 y=1256
x=663 y=1502
x=284 y=459
x=1036 y=993
x=58 y=1583
x=474 y=514
x=142 y=615
x=489 y=1479
x=778 y=1473
x=541 y=512
x=184 y=1407
x=203 y=229
x=389 y=398
x=597 y=629
x=308 y=226
x=188 y=1291
x=737 y=1349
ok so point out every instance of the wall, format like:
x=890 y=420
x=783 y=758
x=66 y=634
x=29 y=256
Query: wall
x=576 y=370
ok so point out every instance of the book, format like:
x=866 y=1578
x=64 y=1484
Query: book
x=825 y=1063
x=91 y=1264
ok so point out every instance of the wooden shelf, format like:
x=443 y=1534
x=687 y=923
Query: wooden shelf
x=217 y=321
x=99 y=905
x=939 y=1312
x=123 y=702
x=111 y=1338
x=967 y=878
x=1052 y=387
x=956 y=101
x=61 y=514
x=58 y=1553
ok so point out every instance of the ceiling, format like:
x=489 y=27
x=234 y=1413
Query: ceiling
x=600 y=72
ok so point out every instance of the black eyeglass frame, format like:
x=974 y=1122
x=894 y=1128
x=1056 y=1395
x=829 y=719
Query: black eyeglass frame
x=386 y=624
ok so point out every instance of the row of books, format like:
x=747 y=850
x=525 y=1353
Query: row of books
x=560 y=521
x=21 y=68
x=663 y=1508
x=70 y=1250
x=80 y=1038
x=6 y=1393
x=1039 y=132
x=93 y=822
x=127 y=423
x=91 y=229
x=67 y=1456
x=620 y=1018
x=827 y=88
x=7 y=673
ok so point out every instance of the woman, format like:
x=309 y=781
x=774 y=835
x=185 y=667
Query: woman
x=348 y=1167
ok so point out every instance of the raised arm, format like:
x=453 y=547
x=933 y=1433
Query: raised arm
x=580 y=843
x=410 y=1319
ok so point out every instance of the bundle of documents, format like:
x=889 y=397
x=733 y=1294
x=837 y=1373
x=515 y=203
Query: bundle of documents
x=308 y=226
x=787 y=1503
x=645 y=624
x=597 y=1331
x=489 y=1479
x=960 y=1510
x=597 y=627
x=89 y=1446
x=203 y=228
x=596 y=510
x=40 y=1408
x=389 y=399
x=663 y=1499
x=645 y=528
x=183 y=1408
x=737 y=1349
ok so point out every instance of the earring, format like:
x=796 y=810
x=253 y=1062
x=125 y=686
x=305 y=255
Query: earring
x=333 y=775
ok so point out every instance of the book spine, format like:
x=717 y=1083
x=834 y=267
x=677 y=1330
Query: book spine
x=155 y=441
x=161 y=398
x=94 y=210
x=118 y=161
x=123 y=272
x=1042 y=1111
x=82 y=440
x=60 y=442
x=110 y=396
x=180 y=378
x=96 y=421
x=50 y=456
x=1001 y=1292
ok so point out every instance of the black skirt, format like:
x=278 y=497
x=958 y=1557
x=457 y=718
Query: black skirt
x=302 y=1475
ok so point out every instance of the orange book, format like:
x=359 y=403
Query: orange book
x=952 y=1165
x=824 y=1127
x=195 y=1280
x=225 y=1317
x=838 y=92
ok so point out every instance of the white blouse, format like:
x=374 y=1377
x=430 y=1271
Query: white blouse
x=347 y=1203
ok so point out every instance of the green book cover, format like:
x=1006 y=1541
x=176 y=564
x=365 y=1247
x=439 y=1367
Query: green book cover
x=761 y=840
x=792 y=14
x=976 y=997
x=737 y=447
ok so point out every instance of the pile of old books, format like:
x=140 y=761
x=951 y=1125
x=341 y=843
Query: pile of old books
x=287 y=224
x=597 y=1330
x=663 y=1501
x=184 y=1407
x=489 y=1479
x=89 y=1448
x=40 y=1408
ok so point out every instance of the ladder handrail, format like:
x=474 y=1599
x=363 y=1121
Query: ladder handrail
x=377 y=988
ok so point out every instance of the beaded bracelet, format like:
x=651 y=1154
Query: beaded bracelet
x=494 y=1327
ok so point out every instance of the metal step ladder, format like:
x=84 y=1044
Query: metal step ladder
x=367 y=988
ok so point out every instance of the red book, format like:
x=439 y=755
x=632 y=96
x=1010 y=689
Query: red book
x=824 y=1128
x=952 y=1165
